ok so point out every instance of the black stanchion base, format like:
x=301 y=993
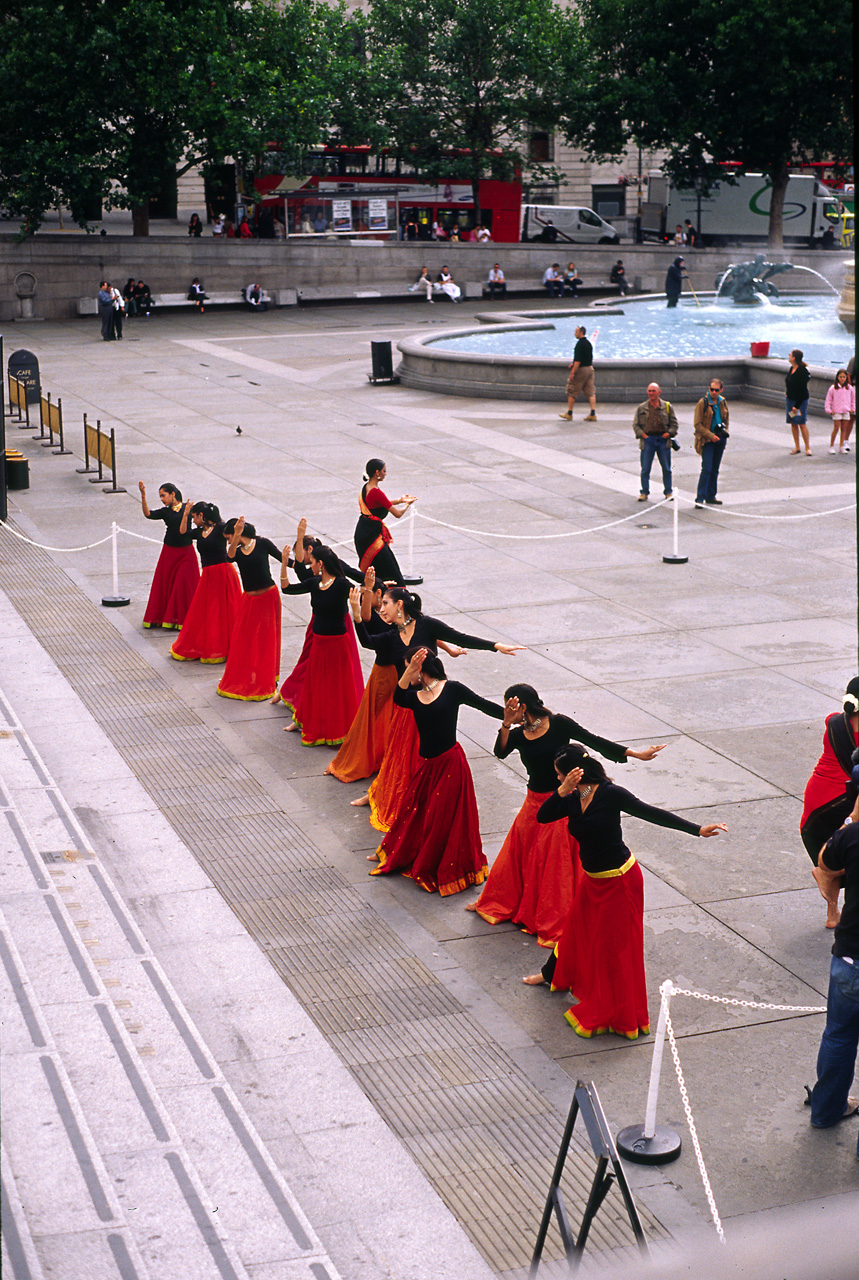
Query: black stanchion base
x=663 y=1147
x=115 y=602
x=675 y=559
x=413 y=580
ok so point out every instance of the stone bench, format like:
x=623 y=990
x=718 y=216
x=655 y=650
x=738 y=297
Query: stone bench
x=527 y=288
x=228 y=298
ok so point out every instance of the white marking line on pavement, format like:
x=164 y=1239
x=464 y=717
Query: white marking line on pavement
x=553 y=459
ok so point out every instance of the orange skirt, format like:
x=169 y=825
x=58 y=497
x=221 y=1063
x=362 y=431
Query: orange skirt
x=398 y=768
x=254 y=658
x=534 y=878
x=210 y=619
x=436 y=837
x=364 y=745
x=601 y=955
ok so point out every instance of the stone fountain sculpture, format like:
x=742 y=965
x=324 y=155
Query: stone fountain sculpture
x=746 y=281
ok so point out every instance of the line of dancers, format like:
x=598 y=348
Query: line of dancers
x=564 y=873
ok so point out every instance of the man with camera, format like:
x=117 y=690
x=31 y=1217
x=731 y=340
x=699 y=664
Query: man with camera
x=711 y=435
x=655 y=426
x=836 y=1060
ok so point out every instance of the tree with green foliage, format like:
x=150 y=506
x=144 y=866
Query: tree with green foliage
x=471 y=78
x=768 y=84
x=106 y=97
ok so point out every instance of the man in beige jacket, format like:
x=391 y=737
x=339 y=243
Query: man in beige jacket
x=711 y=436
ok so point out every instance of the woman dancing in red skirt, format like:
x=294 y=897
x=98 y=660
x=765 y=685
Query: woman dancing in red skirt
x=829 y=793
x=435 y=839
x=177 y=572
x=254 y=658
x=600 y=956
x=333 y=681
x=372 y=536
x=533 y=879
x=211 y=616
x=411 y=629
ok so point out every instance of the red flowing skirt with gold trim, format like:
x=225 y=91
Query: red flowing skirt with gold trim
x=399 y=766
x=534 y=878
x=364 y=745
x=209 y=622
x=254 y=658
x=331 y=691
x=173 y=585
x=436 y=837
x=290 y=690
x=601 y=956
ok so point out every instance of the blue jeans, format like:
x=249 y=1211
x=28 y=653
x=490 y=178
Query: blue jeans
x=656 y=444
x=555 y=287
x=836 y=1058
x=711 y=458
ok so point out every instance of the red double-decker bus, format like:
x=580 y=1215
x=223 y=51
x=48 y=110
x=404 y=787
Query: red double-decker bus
x=343 y=197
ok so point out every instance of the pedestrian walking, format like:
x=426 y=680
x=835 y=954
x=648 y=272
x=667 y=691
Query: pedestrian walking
x=711 y=436
x=581 y=379
x=796 y=401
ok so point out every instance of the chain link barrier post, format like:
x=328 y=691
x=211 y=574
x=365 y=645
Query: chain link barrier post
x=675 y=557
x=411 y=578
x=650 y=1143
x=114 y=601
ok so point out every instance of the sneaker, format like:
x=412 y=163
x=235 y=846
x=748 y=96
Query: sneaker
x=669 y=495
x=846 y=448
x=832 y=448
x=592 y=417
x=567 y=417
x=642 y=497
x=699 y=506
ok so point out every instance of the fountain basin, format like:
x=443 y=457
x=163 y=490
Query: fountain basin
x=495 y=361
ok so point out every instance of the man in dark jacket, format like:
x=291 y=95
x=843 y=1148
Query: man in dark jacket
x=105 y=311
x=674 y=281
x=618 y=276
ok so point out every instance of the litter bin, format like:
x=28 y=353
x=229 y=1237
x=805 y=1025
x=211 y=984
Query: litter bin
x=17 y=470
x=383 y=363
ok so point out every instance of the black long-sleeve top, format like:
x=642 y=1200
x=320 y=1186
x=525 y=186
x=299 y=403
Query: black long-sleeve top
x=253 y=565
x=172 y=519
x=436 y=720
x=211 y=546
x=598 y=829
x=796 y=384
x=328 y=603
x=538 y=754
x=390 y=650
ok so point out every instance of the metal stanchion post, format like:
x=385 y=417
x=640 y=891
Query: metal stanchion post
x=651 y=1143
x=411 y=578
x=116 y=601
x=676 y=558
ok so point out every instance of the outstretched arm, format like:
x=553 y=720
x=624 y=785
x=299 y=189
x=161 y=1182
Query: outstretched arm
x=144 y=504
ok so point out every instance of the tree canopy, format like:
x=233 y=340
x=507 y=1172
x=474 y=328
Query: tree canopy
x=767 y=84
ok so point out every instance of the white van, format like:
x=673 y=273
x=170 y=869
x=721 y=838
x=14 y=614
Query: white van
x=559 y=223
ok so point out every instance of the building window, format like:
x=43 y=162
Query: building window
x=609 y=201
x=540 y=148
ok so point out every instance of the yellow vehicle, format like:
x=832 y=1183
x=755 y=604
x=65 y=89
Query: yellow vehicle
x=847 y=222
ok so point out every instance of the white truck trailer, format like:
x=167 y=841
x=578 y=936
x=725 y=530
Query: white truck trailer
x=734 y=214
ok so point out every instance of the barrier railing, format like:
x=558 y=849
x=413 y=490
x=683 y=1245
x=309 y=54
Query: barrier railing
x=18 y=401
x=52 y=418
x=101 y=448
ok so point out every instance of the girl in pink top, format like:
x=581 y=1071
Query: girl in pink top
x=841 y=406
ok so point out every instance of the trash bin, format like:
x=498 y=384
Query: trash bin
x=383 y=362
x=760 y=350
x=17 y=470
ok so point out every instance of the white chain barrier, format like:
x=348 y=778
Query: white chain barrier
x=664 y=1027
x=89 y=546
x=749 y=515
x=540 y=537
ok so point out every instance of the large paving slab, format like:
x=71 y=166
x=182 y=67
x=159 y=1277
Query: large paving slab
x=432 y=1058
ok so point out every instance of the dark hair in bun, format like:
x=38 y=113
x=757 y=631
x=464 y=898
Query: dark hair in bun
x=410 y=600
x=374 y=465
x=574 y=756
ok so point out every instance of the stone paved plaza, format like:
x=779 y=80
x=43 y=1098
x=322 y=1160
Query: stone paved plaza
x=229 y=1052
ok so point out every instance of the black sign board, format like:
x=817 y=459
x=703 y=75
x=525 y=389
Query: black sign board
x=24 y=366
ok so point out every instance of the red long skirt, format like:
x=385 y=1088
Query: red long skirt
x=210 y=620
x=290 y=690
x=332 y=689
x=601 y=955
x=254 y=658
x=399 y=766
x=436 y=838
x=173 y=585
x=534 y=878
x=364 y=745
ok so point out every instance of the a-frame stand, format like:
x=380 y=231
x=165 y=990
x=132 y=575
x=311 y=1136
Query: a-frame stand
x=586 y=1101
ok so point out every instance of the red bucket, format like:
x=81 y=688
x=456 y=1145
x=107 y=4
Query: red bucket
x=760 y=350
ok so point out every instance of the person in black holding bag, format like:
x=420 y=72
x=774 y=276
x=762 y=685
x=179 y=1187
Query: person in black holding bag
x=796 y=400
x=197 y=294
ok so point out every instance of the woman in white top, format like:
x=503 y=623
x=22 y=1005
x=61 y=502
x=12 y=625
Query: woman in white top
x=452 y=290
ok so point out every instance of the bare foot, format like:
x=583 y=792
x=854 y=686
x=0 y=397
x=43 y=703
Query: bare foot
x=364 y=799
x=471 y=906
x=291 y=727
x=276 y=699
x=808 y=453
x=534 y=980
x=833 y=915
x=794 y=451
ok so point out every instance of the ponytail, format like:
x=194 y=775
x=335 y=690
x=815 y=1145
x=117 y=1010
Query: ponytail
x=410 y=600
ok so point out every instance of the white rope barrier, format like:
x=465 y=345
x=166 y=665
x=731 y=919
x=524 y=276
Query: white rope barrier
x=89 y=546
x=540 y=537
x=142 y=536
x=805 y=515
